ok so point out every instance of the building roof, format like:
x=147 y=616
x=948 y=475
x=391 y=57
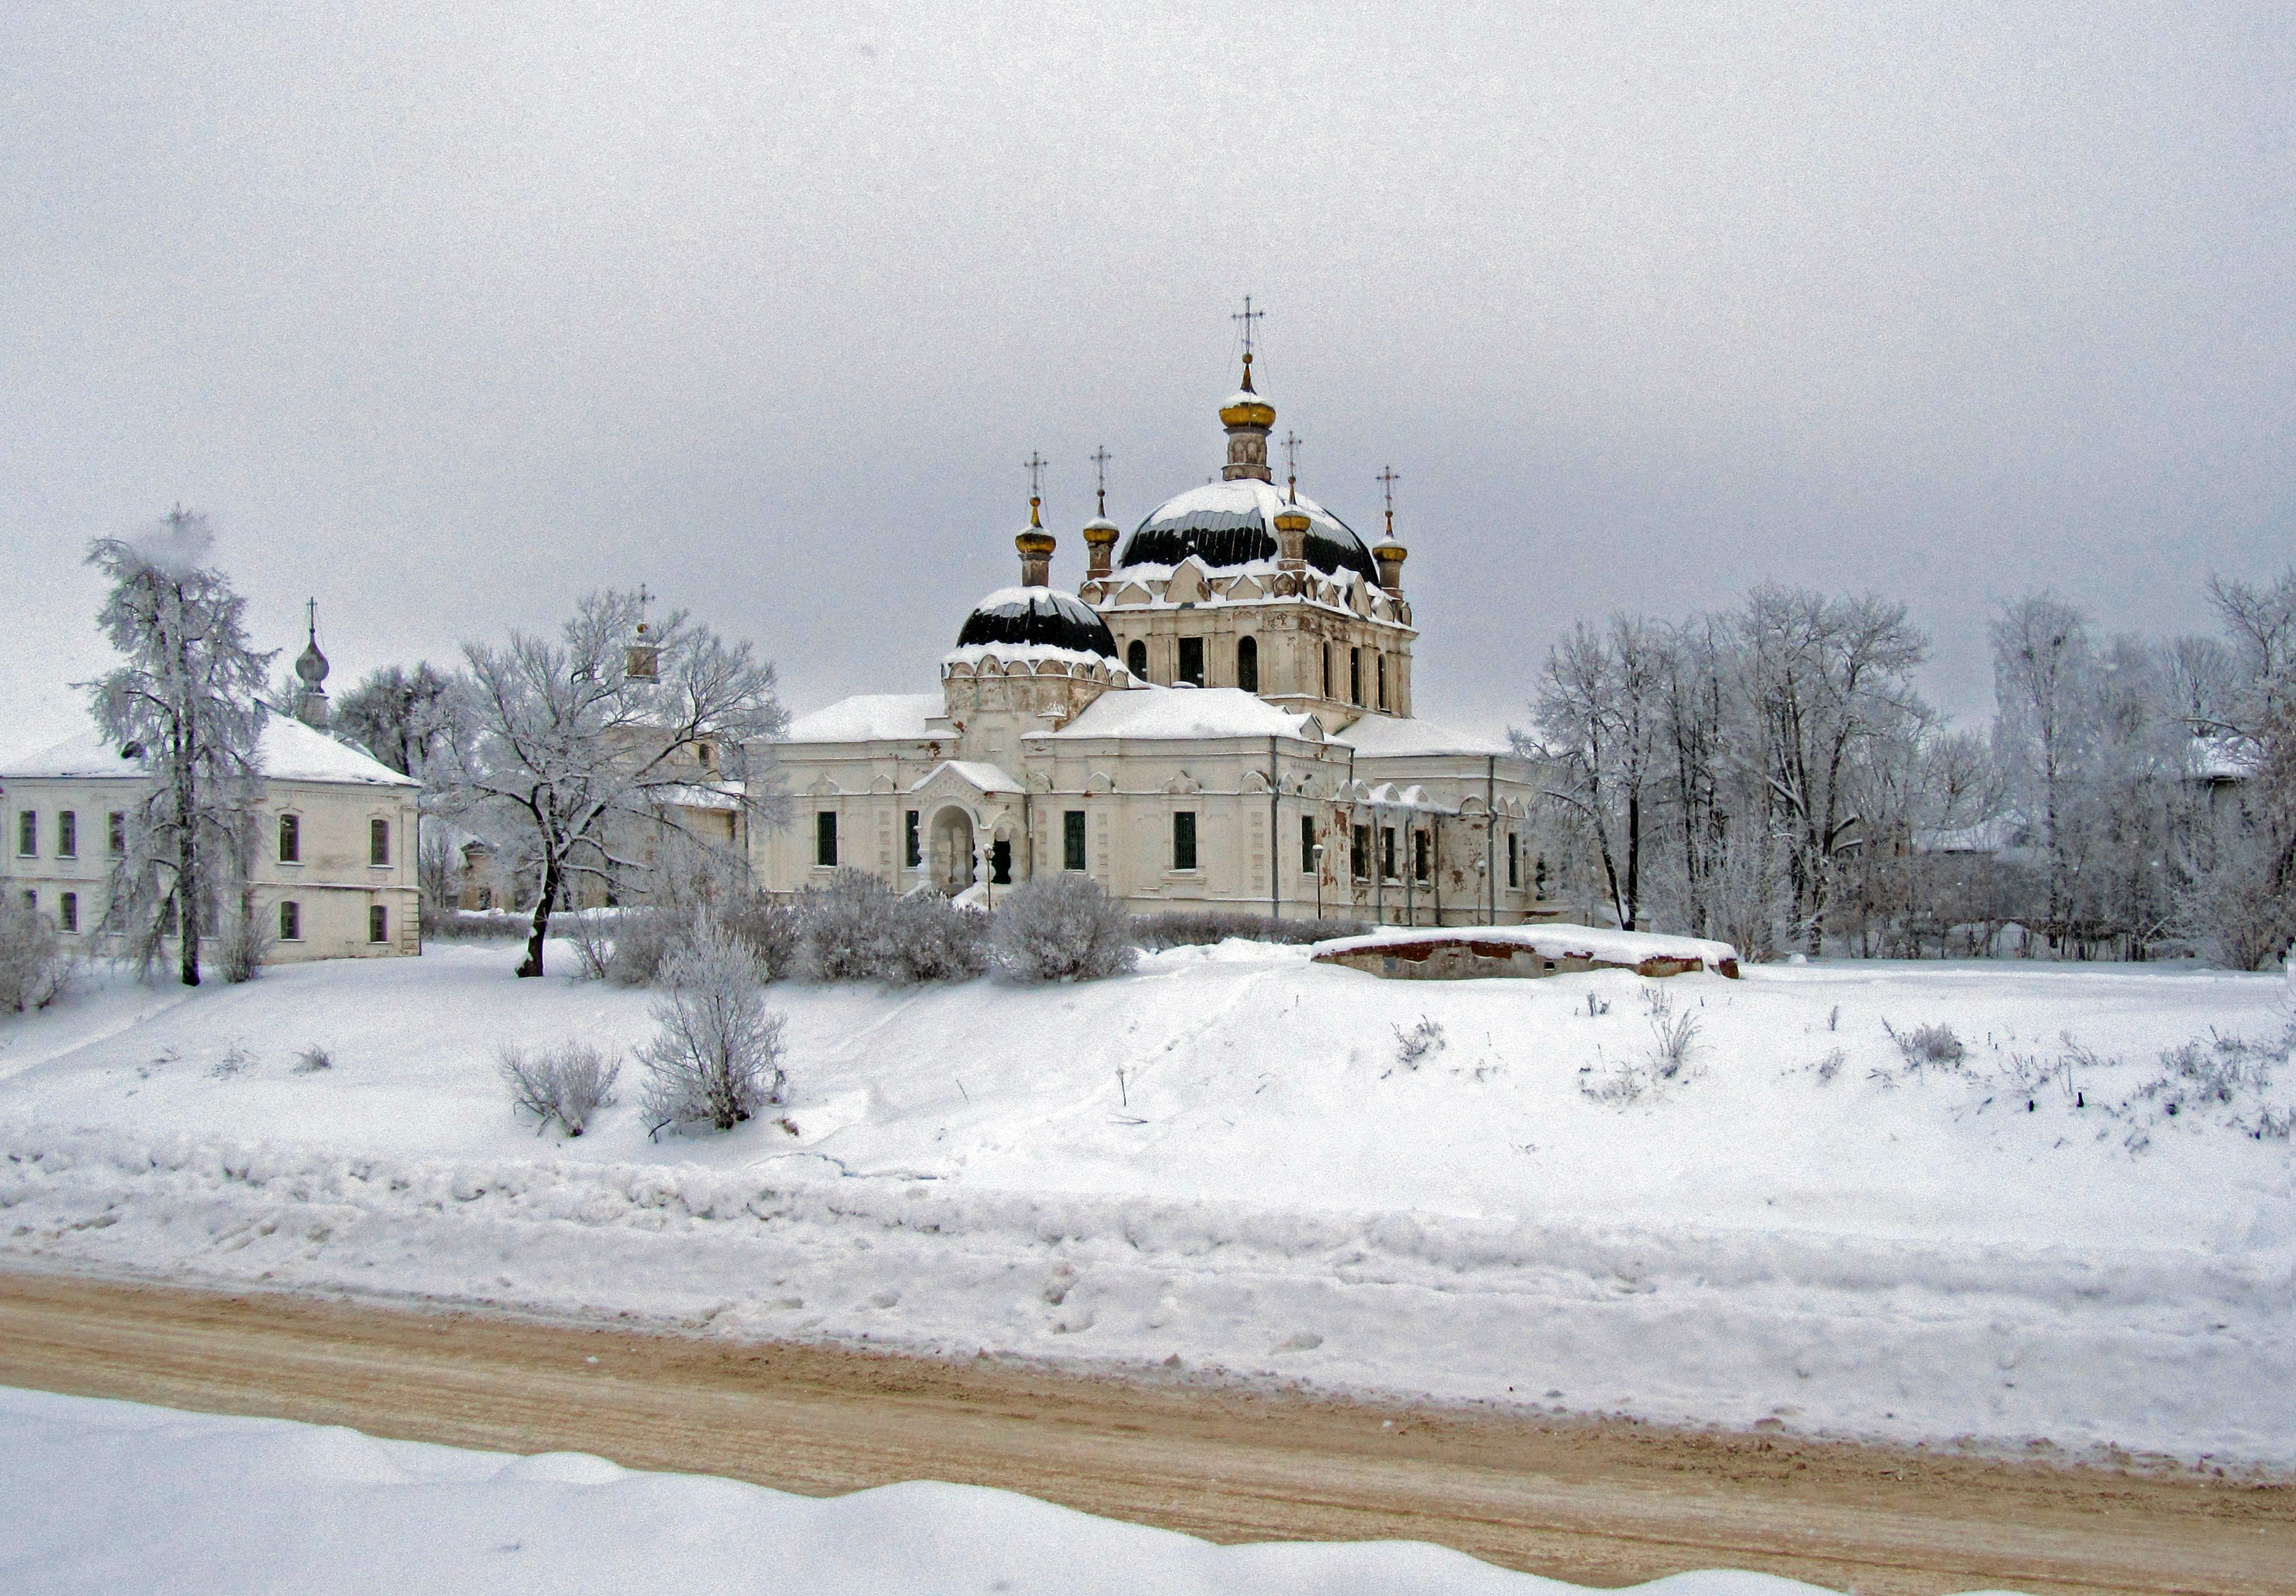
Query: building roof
x=287 y=750
x=1039 y=617
x=870 y=717
x=1183 y=713
x=1385 y=737
x=987 y=777
x=1227 y=524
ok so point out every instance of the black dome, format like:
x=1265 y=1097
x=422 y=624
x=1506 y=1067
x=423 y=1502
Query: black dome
x=1232 y=523
x=1040 y=617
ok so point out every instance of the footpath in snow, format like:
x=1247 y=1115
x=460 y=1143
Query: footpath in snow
x=2081 y=1230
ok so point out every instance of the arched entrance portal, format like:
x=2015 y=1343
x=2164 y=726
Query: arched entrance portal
x=952 y=851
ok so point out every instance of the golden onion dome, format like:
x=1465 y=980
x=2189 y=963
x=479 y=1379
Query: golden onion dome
x=1035 y=540
x=1291 y=518
x=1245 y=408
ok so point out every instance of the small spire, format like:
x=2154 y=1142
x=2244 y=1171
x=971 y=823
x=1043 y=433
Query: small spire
x=1245 y=320
x=1292 y=468
x=1036 y=464
x=311 y=619
x=1387 y=479
x=1100 y=458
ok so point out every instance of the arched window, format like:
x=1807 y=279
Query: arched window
x=1355 y=675
x=1136 y=659
x=1247 y=664
x=1327 y=668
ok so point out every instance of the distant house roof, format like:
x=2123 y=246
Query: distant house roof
x=286 y=750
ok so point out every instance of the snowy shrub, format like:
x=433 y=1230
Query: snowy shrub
x=1174 y=928
x=1063 y=928
x=770 y=929
x=234 y=1062
x=846 y=928
x=932 y=939
x=1928 y=1044
x=718 y=1058
x=594 y=948
x=248 y=939
x=568 y=1083
x=313 y=1060
x=1830 y=1066
x=33 y=970
x=1673 y=1037
x=644 y=942
x=1414 y=1044
x=454 y=925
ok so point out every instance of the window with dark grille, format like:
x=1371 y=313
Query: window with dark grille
x=1183 y=840
x=1355 y=675
x=1379 y=665
x=1192 y=660
x=291 y=840
x=291 y=922
x=68 y=835
x=27 y=833
x=378 y=842
x=1072 y=840
x=67 y=912
x=913 y=848
x=824 y=837
x=1387 y=853
x=1421 y=852
x=1514 y=861
x=1306 y=845
x=1247 y=664
x=378 y=923
x=116 y=829
x=1327 y=669
x=1360 y=855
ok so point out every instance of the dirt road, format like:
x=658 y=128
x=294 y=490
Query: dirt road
x=1597 y=1503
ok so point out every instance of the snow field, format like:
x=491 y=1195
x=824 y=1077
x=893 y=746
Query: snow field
x=114 y=1497
x=1225 y=1157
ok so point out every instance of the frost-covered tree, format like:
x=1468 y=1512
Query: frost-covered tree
x=570 y=750
x=2242 y=900
x=1600 y=708
x=2043 y=690
x=406 y=719
x=189 y=698
x=718 y=1058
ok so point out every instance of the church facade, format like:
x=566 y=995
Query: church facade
x=1220 y=715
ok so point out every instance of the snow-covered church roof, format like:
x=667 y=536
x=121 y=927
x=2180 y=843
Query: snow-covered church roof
x=1039 y=618
x=1383 y=737
x=869 y=717
x=1227 y=524
x=1184 y=712
x=286 y=750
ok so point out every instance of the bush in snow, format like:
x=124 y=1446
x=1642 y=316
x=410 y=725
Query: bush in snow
x=1413 y=1046
x=718 y=1058
x=1673 y=1037
x=568 y=1083
x=932 y=939
x=313 y=1060
x=1063 y=928
x=769 y=929
x=1928 y=1044
x=33 y=970
x=846 y=928
x=1175 y=927
x=248 y=937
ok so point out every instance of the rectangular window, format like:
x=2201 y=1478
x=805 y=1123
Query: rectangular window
x=1515 y=862
x=1379 y=669
x=1355 y=675
x=68 y=835
x=291 y=840
x=378 y=842
x=1192 y=660
x=1247 y=664
x=1327 y=670
x=913 y=850
x=825 y=839
x=291 y=922
x=67 y=912
x=1421 y=852
x=1359 y=857
x=378 y=923
x=116 y=834
x=1072 y=840
x=1387 y=853
x=27 y=833
x=1306 y=845
x=1000 y=862
x=1183 y=840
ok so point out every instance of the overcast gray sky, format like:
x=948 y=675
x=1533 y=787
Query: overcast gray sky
x=446 y=313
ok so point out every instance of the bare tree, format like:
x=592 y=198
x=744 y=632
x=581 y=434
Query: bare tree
x=2245 y=898
x=2042 y=670
x=406 y=719
x=1599 y=713
x=571 y=747
x=188 y=700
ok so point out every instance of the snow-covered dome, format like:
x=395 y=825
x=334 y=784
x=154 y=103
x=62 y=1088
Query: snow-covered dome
x=1234 y=523
x=1038 y=617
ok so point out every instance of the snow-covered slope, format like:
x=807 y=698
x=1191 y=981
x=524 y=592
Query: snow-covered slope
x=110 y=1496
x=1477 y=1190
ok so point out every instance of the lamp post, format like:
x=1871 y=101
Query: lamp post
x=1318 y=852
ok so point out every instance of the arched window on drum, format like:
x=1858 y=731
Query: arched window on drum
x=1247 y=664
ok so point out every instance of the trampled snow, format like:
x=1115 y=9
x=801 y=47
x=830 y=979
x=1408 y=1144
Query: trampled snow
x=2081 y=1231
x=112 y=1496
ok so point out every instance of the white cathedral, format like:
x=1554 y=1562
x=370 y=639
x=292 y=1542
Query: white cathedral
x=1219 y=717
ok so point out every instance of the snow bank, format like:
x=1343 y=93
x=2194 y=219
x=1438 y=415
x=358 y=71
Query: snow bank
x=1557 y=940
x=113 y=1496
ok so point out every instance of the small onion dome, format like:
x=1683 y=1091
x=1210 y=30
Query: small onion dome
x=1039 y=616
x=1245 y=408
x=310 y=665
x=1035 y=540
x=1291 y=518
x=1100 y=529
x=1390 y=550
